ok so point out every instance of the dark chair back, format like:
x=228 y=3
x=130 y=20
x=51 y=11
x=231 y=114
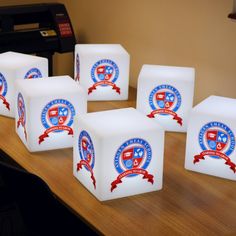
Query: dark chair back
x=28 y=207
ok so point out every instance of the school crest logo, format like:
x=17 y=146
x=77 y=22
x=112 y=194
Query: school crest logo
x=131 y=159
x=77 y=66
x=57 y=116
x=33 y=73
x=217 y=141
x=165 y=100
x=21 y=113
x=104 y=73
x=3 y=91
x=87 y=154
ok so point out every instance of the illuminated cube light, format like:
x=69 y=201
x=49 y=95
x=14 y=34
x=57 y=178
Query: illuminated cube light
x=165 y=94
x=45 y=111
x=211 y=138
x=103 y=69
x=14 y=66
x=118 y=153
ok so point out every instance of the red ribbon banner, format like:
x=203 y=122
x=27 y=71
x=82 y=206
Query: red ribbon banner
x=166 y=111
x=228 y=162
x=77 y=77
x=55 y=128
x=138 y=171
x=90 y=90
x=85 y=163
x=21 y=122
x=5 y=102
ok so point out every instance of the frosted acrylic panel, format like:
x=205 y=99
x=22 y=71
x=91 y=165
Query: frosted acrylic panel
x=15 y=66
x=211 y=138
x=103 y=69
x=118 y=153
x=165 y=94
x=46 y=109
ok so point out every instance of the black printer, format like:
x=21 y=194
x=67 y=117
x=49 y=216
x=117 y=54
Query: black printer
x=40 y=29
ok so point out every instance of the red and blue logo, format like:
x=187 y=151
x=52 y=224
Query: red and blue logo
x=87 y=154
x=165 y=100
x=131 y=159
x=33 y=73
x=77 y=77
x=57 y=116
x=21 y=113
x=104 y=73
x=217 y=141
x=3 y=91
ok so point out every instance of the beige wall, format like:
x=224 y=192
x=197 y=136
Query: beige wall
x=194 y=33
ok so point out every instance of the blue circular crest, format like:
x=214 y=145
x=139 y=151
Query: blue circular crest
x=218 y=137
x=133 y=153
x=165 y=97
x=3 y=85
x=33 y=73
x=57 y=113
x=21 y=108
x=86 y=149
x=105 y=70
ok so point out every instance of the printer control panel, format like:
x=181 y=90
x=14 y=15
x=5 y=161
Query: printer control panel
x=64 y=26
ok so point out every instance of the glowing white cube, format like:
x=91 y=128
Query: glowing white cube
x=45 y=111
x=14 y=66
x=211 y=138
x=103 y=69
x=165 y=94
x=118 y=153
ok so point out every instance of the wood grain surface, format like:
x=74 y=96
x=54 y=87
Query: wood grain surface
x=189 y=203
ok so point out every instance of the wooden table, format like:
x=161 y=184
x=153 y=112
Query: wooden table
x=189 y=203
